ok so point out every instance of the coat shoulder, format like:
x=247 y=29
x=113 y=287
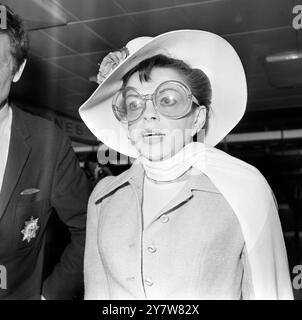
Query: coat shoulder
x=37 y=124
x=108 y=185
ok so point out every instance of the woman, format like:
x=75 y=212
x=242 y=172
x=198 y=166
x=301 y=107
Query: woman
x=186 y=221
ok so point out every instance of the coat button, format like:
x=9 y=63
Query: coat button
x=152 y=248
x=149 y=282
x=164 y=218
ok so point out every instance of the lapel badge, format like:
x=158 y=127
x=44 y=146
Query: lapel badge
x=30 y=229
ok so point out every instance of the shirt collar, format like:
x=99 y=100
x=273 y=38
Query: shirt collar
x=4 y=113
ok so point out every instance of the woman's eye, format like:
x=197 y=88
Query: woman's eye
x=134 y=105
x=168 y=101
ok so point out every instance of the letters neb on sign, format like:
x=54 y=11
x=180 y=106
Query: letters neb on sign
x=3 y=20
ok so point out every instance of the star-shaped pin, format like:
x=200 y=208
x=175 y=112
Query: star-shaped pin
x=30 y=229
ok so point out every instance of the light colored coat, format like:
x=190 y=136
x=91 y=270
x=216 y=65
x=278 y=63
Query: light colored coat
x=193 y=249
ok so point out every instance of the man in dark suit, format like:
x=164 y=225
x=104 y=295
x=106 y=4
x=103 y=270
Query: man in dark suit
x=39 y=176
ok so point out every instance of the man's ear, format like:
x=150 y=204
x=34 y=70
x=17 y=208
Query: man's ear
x=19 y=72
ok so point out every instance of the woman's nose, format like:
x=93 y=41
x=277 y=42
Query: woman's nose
x=150 y=111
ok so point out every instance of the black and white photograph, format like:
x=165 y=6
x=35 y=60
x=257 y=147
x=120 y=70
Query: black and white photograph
x=150 y=150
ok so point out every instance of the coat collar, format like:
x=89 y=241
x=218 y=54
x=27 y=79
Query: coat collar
x=135 y=176
x=19 y=123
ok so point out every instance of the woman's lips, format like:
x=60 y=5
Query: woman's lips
x=153 y=136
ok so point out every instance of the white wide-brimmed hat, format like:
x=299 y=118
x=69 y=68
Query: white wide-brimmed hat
x=199 y=49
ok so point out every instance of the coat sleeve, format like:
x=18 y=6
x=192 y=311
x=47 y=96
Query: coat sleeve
x=69 y=198
x=94 y=273
x=247 y=290
x=268 y=261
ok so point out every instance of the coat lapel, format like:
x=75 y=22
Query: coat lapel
x=18 y=154
x=199 y=182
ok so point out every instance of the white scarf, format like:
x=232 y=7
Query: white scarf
x=251 y=198
x=192 y=155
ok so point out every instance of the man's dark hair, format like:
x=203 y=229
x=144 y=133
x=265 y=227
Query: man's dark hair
x=17 y=36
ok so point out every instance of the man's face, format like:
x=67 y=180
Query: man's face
x=6 y=68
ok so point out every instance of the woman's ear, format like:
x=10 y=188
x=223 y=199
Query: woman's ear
x=19 y=72
x=199 y=119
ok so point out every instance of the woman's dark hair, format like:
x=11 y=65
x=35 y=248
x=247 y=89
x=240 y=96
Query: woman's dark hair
x=196 y=79
x=17 y=36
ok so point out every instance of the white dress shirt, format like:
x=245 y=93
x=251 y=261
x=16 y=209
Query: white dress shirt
x=6 y=117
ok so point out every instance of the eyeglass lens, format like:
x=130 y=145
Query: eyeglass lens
x=172 y=99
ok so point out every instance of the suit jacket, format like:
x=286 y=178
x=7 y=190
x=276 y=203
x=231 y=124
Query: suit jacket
x=42 y=177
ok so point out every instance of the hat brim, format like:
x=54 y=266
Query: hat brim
x=199 y=49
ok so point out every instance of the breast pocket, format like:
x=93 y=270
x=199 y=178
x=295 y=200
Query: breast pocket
x=29 y=223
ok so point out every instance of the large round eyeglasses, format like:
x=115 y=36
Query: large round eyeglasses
x=172 y=99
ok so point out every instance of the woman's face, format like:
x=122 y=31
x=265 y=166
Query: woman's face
x=155 y=136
